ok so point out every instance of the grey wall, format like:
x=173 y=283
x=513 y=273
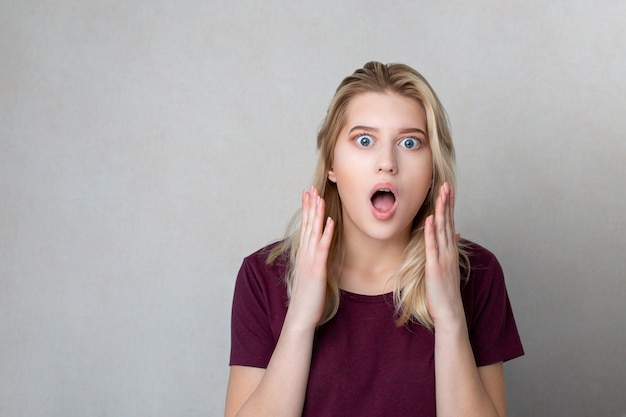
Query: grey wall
x=146 y=147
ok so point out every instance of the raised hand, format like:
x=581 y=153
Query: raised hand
x=309 y=287
x=443 y=294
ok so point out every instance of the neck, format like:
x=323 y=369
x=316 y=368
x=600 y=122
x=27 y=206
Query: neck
x=369 y=264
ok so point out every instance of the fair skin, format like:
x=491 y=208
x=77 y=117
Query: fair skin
x=382 y=133
x=382 y=146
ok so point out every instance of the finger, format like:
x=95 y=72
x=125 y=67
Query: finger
x=452 y=204
x=326 y=239
x=452 y=222
x=318 y=218
x=308 y=215
x=315 y=219
x=440 y=219
x=430 y=241
x=449 y=214
x=304 y=215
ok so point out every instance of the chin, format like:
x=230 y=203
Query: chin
x=389 y=233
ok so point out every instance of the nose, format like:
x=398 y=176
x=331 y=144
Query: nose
x=387 y=160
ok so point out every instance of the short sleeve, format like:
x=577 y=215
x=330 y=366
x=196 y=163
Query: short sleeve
x=493 y=332
x=259 y=305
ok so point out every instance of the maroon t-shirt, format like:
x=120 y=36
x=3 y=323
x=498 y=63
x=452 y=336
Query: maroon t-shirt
x=363 y=364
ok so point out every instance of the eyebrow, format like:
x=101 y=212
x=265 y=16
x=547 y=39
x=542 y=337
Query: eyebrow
x=401 y=131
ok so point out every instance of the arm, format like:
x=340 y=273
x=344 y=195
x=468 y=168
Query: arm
x=462 y=389
x=280 y=389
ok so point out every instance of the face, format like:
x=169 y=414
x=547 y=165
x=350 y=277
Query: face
x=382 y=165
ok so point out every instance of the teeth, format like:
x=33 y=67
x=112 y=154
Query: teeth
x=385 y=190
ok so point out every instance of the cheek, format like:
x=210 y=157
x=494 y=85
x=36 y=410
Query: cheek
x=421 y=180
x=345 y=167
x=420 y=169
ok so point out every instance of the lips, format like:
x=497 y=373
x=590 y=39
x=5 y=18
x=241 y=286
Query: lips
x=383 y=200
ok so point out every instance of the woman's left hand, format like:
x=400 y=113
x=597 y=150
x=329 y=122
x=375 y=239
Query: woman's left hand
x=443 y=294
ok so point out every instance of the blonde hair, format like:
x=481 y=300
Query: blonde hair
x=409 y=292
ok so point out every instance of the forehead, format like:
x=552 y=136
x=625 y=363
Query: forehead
x=385 y=110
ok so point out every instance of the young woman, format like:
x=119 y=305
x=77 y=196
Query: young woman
x=373 y=305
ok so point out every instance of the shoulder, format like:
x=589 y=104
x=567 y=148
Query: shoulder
x=486 y=277
x=260 y=259
x=260 y=256
x=257 y=272
x=479 y=256
x=482 y=262
x=258 y=309
x=491 y=324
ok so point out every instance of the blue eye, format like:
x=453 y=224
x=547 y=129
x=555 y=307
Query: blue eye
x=409 y=143
x=364 y=140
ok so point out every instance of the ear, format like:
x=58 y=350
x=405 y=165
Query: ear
x=331 y=176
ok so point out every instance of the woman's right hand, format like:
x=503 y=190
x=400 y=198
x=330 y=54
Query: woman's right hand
x=280 y=389
x=309 y=286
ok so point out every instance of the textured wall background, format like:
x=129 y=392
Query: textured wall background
x=146 y=147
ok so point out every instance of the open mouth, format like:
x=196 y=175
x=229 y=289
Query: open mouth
x=383 y=200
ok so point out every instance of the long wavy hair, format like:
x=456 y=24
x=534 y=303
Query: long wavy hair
x=409 y=293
